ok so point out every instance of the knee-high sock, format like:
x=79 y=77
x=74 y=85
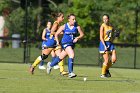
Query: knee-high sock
x=61 y=65
x=37 y=61
x=41 y=63
x=104 y=68
x=109 y=65
x=55 y=62
x=70 y=65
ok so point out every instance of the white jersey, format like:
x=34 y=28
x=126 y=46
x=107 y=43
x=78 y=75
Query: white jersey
x=2 y=22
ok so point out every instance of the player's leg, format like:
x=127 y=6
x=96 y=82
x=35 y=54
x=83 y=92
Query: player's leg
x=108 y=66
x=105 y=57
x=114 y=56
x=53 y=57
x=61 y=63
x=62 y=55
x=70 y=53
x=44 y=55
x=104 y=66
x=112 y=60
x=41 y=65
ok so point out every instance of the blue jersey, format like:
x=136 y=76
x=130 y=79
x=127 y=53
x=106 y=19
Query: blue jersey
x=69 y=34
x=48 y=32
x=50 y=43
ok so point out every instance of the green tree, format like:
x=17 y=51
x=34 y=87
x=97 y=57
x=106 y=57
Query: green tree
x=16 y=19
x=88 y=12
x=122 y=15
x=85 y=17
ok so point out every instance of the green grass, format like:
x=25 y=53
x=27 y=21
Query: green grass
x=15 y=78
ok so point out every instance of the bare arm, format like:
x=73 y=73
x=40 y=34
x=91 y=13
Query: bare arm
x=80 y=36
x=102 y=36
x=80 y=32
x=44 y=34
x=54 y=28
x=59 y=31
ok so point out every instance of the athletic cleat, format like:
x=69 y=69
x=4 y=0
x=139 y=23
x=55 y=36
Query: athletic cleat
x=103 y=76
x=31 y=70
x=108 y=73
x=72 y=75
x=49 y=68
x=64 y=73
x=41 y=67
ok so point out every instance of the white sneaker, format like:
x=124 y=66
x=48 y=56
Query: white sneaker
x=49 y=68
x=41 y=67
x=56 y=67
x=103 y=76
x=72 y=75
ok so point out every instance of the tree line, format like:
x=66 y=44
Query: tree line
x=89 y=16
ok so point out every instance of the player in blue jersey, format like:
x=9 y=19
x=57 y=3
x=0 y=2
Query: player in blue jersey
x=106 y=47
x=70 y=31
x=45 y=36
x=50 y=45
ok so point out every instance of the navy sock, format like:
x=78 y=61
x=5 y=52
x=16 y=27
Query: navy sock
x=55 y=62
x=70 y=65
x=41 y=63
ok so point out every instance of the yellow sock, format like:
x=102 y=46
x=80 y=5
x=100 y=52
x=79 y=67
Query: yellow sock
x=61 y=65
x=104 y=68
x=37 y=61
x=109 y=65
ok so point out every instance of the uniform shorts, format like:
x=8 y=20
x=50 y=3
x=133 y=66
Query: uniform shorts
x=65 y=45
x=108 y=44
x=50 y=43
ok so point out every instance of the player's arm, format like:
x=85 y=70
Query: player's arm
x=81 y=34
x=102 y=36
x=58 y=32
x=44 y=35
x=54 y=28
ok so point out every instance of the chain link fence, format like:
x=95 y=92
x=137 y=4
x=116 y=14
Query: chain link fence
x=88 y=56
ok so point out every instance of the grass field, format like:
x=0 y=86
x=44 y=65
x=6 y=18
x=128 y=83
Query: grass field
x=15 y=78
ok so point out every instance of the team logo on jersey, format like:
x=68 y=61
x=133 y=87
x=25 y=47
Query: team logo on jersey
x=108 y=33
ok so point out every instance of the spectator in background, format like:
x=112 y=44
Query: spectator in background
x=5 y=34
x=2 y=22
x=3 y=29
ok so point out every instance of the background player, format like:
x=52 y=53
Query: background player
x=50 y=45
x=106 y=47
x=45 y=37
